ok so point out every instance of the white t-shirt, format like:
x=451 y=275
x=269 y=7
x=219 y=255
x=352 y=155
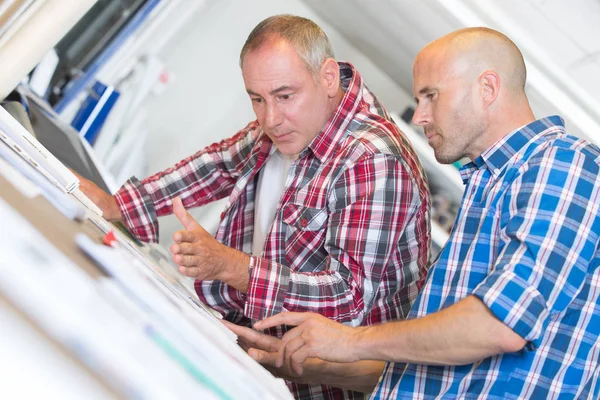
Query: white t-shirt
x=270 y=187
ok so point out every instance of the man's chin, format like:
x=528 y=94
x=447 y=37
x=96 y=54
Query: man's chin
x=444 y=158
x=288 y=149
x=441 y=157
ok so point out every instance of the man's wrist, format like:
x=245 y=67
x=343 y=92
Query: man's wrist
x=114 y=211
x=316 y=371
x=358 y=376
x=360 y=342
x=233 y=269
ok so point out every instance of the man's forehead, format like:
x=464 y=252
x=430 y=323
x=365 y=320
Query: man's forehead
x=268 y=59
x=272 y=48
x=271 y=80
x=425 y=76
x=433 y=70
x=432 y=58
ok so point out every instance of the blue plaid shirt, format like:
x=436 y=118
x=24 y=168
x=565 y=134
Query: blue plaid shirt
x=526 y=243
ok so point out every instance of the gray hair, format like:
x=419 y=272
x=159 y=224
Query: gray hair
x=307 y=38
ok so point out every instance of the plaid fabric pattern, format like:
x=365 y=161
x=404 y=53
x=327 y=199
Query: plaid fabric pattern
x=525 y=242
x=350 y=238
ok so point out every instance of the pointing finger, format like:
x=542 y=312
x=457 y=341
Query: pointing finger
x=284 y=318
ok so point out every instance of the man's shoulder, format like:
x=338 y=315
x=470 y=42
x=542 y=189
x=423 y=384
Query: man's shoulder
x=251 y=130
x=244 y=138
x=578 y=145
x=557 y=155
x=373 y=134
x=565 y=147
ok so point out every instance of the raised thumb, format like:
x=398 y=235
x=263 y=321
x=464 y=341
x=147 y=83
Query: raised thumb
x=186 y=219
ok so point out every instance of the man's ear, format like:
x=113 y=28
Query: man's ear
x=330 y=74
x=489 y=84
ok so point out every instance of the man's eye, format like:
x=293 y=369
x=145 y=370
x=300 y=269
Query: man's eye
x=430 y=96
x=285 y=97
x=256 y=100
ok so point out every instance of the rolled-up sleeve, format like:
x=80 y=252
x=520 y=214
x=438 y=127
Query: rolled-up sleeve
x=206 y=176
x=549 y=226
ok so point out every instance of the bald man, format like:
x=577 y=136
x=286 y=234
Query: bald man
x=510 y=309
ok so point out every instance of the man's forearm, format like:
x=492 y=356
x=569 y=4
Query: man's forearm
x=361 y=376
x=461 y=334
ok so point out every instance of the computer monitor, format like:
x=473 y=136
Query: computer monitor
x=62 y=140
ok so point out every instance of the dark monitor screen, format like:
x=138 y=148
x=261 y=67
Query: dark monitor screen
x=62 y=140
x=87 y=40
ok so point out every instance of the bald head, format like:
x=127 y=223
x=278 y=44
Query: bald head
x=470 y=91
x=472 y=51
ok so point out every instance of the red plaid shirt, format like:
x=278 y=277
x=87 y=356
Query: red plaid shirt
x=350 y=240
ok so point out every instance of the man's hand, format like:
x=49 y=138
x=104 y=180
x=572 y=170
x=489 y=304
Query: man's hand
x=361 y=376
x=314 y=336
x=201 y=256
x=263 y=349
x=104 y=201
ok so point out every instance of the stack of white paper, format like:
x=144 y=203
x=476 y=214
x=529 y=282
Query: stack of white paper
x=27 y=357
x=31 y=182
x=17 y=137
x=144 y=339
x=142 y=330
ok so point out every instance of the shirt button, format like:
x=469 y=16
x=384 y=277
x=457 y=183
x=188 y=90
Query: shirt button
x=303 y=222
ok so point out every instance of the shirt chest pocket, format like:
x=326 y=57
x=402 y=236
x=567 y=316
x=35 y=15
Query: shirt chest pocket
x=304 y=218
x=306 y=230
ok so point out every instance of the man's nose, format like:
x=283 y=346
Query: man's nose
x=421 y=117
x=274 y=116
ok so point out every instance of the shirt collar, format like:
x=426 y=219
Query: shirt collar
x=327 y=140
x=497 y=157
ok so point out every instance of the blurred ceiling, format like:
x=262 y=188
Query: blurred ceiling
x=389 y=32
x=560 y=41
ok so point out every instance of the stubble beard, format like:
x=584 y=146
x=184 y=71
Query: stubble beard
x=437 y=144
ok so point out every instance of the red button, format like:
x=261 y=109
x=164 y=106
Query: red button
x=223 y=215
x=303 y=222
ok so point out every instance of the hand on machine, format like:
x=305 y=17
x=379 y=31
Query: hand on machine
x=106 y=202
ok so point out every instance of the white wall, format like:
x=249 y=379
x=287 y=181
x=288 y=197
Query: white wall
x=207 y=100
x=559 y=40
x=566 y=32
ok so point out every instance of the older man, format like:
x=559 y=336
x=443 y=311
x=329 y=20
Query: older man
x=328 y=205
